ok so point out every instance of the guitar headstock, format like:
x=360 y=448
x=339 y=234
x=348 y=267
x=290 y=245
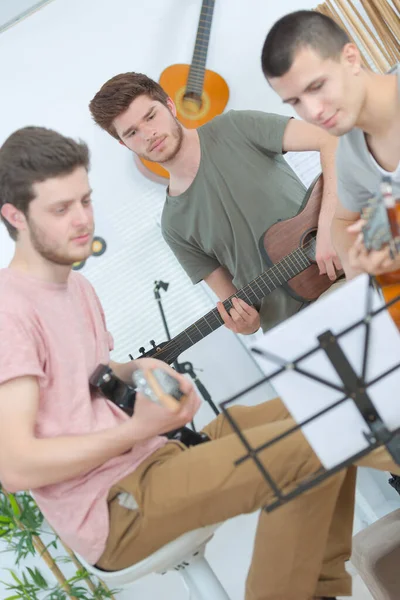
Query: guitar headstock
x=150 y=353
x=382 y=220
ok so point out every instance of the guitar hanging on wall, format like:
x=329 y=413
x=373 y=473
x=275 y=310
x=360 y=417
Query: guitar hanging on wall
x=198 y=93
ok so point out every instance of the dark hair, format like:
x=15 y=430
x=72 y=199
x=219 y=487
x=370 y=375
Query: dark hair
x=31 y=155
x=298 y=30
x=116 y=95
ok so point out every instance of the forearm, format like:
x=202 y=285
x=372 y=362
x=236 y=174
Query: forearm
x=45 y=461
x=220 y=282
x=300 y=136
x=329 y=195
x=230 y=290
x=342 y=241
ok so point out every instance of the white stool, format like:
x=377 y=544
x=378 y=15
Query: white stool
x=185 y=555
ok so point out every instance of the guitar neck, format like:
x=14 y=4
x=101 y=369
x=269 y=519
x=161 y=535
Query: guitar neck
x=198 y=66
x=290 y=266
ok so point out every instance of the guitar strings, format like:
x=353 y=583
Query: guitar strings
x=298 y=254
x=275 y=271
x=173 y=345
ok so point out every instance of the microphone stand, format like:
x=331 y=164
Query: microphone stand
x=182 y=367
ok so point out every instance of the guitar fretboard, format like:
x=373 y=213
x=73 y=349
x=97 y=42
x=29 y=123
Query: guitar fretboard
x=290 y=266
x=197 y=68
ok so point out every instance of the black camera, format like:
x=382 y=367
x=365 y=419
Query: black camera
x=123 y=395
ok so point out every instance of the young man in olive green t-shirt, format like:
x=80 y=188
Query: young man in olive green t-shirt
x=228 y=184
x=243 y=186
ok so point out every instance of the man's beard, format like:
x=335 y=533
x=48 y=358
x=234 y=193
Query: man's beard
x=51 y=251
x=177 y=136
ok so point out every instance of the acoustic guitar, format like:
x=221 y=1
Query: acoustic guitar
x=288 y=249
x=198 y=93
x=382 y=219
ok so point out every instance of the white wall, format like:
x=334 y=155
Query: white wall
x=51 y=65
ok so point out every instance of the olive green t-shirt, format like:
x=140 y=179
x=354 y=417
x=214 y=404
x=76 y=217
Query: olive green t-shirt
x=242 y=187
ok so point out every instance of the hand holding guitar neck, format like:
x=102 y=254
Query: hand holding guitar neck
x=242 y=318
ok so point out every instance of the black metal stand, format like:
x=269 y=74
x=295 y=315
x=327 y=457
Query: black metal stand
x=182 y=367
x=352 y=386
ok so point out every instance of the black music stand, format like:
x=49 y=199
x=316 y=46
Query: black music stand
x=350 y=386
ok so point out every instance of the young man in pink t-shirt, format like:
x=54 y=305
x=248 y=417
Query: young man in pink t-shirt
x=113 y=486
x=59 y=438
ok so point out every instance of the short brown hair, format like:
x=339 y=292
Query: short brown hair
x=298 y=30
x=31 y=155
x=116 y=95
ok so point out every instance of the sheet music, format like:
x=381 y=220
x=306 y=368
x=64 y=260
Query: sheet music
x=337 y=435
x=306 y=165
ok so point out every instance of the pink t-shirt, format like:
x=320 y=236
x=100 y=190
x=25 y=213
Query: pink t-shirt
x=57 y=332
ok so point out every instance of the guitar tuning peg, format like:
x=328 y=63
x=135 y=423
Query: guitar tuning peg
x=142 y=351
x=152 y=342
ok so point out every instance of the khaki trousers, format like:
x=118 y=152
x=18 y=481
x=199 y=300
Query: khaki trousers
x=300 y=549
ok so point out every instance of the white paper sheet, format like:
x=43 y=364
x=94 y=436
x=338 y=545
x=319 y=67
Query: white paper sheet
x=337 y=435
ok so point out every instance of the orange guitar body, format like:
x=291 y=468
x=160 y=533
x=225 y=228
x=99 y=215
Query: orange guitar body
x=390 y=285
x=382 y=227
x=390 y=282
x=214 y=98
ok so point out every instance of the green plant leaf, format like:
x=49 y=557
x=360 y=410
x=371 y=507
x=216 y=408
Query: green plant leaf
x=14 y=505
x=30 y=546
x=80 y=592
x=38 y=578
x=20 y=509
x=13 y=575
x=4 y=519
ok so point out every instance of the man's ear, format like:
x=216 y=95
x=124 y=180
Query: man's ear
x=352 y=57
x=171 y=106
x=15 y=217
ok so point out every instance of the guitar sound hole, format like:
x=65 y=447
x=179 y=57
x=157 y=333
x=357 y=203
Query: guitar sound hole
x=309 y=243
x=192 y=98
